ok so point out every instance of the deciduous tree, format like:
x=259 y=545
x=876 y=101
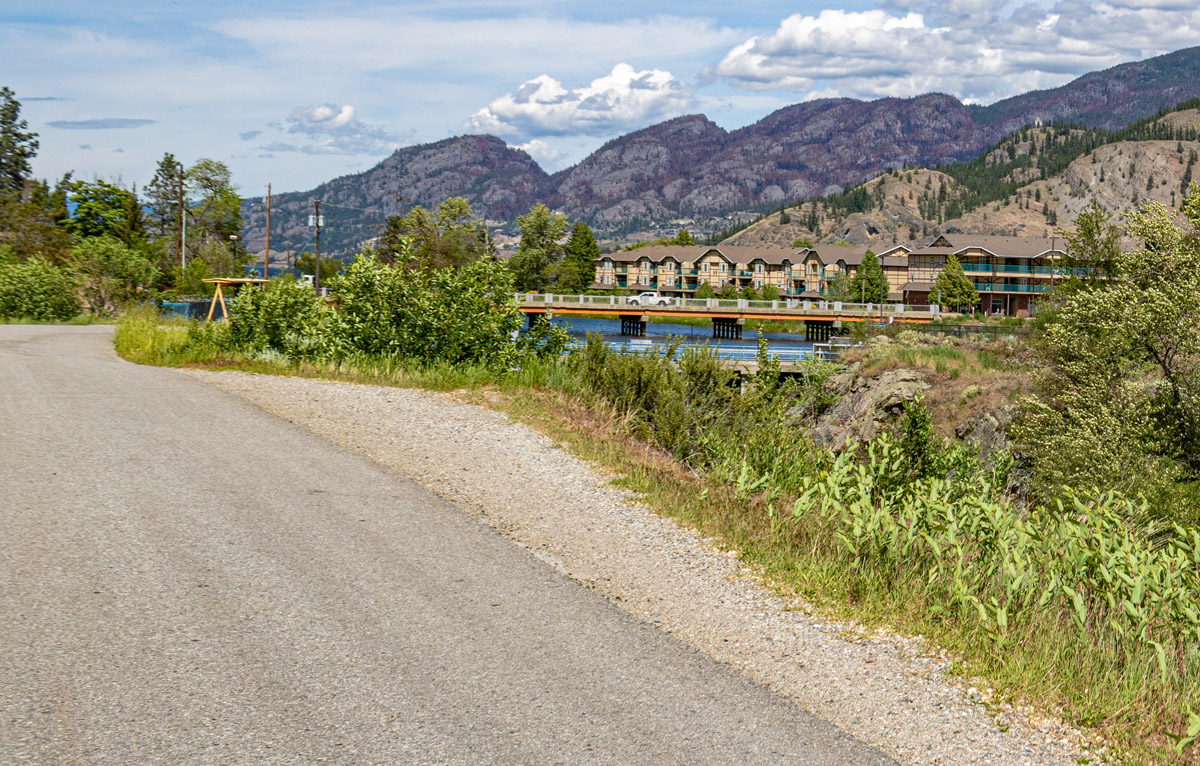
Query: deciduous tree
x=540 y=248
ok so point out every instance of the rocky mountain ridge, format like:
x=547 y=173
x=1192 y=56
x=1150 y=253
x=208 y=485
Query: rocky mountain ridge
x=690 y=168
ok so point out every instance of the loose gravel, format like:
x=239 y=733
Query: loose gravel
x=884 y=689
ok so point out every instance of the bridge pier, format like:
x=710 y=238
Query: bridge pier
x=817 y=332
x=633 y=325
x=727 y=328
x=532 y=317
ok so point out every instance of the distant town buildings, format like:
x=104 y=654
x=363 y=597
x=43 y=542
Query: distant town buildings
x=1008 y=272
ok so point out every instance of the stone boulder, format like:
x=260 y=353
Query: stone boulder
x=988 y=430
x=866 y=406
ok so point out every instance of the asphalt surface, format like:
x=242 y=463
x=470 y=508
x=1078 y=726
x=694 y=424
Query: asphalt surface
x=186 y=579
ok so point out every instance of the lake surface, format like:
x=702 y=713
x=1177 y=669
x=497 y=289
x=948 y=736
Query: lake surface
x=659 y=333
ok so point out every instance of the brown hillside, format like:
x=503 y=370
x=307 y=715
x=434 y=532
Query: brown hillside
x=1118 y=176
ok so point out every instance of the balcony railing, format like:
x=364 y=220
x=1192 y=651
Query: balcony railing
x=1000 y=287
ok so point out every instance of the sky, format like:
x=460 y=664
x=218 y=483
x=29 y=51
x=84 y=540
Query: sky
x=296 y=93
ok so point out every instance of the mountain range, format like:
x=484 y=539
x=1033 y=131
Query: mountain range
x=690 y=168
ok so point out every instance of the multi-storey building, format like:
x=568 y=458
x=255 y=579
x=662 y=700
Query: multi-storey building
x=1008 y=272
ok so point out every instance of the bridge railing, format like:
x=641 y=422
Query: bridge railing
x=603 y=303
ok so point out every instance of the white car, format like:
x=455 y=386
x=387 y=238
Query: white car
x=649 y=299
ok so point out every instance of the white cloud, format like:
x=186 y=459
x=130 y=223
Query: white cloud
x=544 y=153
x=336 y=130
x=965 y=47
x=621 y=100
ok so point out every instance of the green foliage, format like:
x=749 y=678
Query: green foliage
x=749 y=294
x=704 y=290
x=213 y=211
x=684 y=237
x=112 y=274
x=37 y=289
x=17 y=146
x=285 y=316
x=577 y=271
x=162 y=196
x=103 y=209
x=805 y=242
x=953 y=288
x=1093 y=250
x=1120 y=397
x=838 y=288
x=869 y=285
x=770 y=292
x=727 y=291
x=459 y=316
x=306 y=263
x=539 y=249
x=449 y=238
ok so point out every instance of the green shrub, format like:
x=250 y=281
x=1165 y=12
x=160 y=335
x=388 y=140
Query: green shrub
x=285 y=316
x=37 y=289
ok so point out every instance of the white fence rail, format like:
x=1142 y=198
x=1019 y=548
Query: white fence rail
x=802 y=306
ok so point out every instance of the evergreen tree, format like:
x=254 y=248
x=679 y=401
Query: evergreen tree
x=704 y=290
x=539 y=249
x=17 y=146
x=162 y=196
x=683 y=238
x=1093 y=249
x=952 y=287
x=577 y=271
x=869 y=285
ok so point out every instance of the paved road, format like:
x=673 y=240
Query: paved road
x=186 y=579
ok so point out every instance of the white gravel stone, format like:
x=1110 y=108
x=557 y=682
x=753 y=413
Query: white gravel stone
x=882 y=688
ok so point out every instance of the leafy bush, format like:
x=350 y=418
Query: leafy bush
x=37 y=289
x=285 y=316
x=113 y=275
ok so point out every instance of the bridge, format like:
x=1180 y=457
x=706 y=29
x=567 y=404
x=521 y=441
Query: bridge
x=728 y=315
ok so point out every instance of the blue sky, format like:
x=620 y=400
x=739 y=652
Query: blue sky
x=296 y=93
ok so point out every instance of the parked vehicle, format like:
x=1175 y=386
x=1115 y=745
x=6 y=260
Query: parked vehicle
x=649 y=299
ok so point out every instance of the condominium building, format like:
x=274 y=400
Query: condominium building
x=1008 y=272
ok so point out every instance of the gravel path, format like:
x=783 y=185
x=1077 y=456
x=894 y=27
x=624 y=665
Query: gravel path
x=881 y=689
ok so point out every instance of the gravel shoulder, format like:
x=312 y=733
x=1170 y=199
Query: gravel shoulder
x=882 y=689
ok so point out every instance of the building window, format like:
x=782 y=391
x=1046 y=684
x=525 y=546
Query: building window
x=758 y=268
x=704 y=268
x=724 y=268
x=758 y=283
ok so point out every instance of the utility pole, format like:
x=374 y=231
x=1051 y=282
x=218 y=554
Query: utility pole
x=179 y=221
x=317 y=268
x=267 y=255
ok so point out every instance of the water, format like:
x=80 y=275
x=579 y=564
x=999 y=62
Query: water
x=785 y=345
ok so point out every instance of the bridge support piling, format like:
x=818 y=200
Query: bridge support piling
x=532 y=318
x=633 y=325
x=727 y=328
x=817 y=332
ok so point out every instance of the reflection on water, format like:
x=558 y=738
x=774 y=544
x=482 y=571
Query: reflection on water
x=689 y=333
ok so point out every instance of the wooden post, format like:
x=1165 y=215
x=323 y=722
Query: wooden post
x=267 y=255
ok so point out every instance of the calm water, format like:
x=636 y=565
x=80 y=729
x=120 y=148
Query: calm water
x=659 y=332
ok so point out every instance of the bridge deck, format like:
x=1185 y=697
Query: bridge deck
x=715 y=308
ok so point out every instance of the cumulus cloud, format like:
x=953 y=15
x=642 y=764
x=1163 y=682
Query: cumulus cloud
x=541 y=151
x=107 y=123
x=966 y=47
x=334 y=129
x=624 y=99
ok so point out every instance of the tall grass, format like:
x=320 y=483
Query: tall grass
x=1083 y=605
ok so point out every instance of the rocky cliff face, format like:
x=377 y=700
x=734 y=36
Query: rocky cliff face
x=500 y=182
x=691 y=167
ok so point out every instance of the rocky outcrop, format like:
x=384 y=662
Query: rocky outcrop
x=866 y=405
x=988 y=430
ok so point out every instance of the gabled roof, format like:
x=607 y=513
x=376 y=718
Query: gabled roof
x=738 y=254
x=1004 y=247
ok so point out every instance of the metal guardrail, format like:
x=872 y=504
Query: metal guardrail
x=607 y=303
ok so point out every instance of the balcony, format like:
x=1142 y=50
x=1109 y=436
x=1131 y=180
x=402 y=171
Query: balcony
x=1000 y=287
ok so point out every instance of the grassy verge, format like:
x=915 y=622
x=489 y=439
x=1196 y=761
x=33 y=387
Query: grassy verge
x=1081 y=671
x=82 y=319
